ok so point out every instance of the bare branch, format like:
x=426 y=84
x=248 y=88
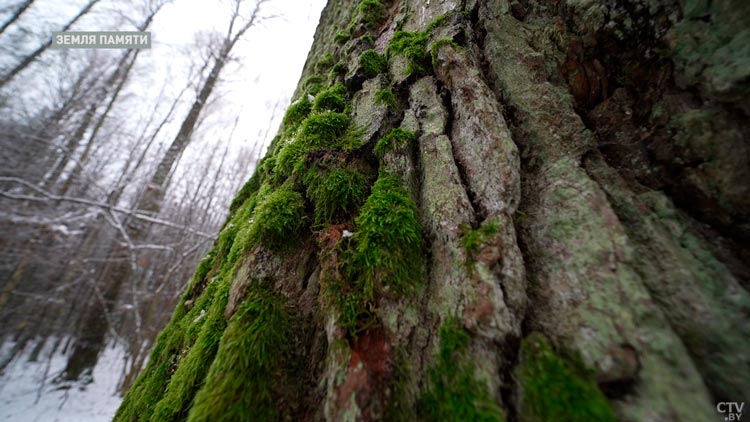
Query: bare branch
x=46 y=196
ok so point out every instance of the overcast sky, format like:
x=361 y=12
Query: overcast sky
x=270 y=56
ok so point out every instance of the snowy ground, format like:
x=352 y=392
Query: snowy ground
x=27 y=393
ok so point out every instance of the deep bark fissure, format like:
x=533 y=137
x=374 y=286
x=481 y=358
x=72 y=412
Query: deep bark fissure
x=508 y=353
x=445 y=96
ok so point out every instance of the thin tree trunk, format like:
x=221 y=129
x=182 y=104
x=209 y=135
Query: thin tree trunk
x=119 y=79
x=16 y=14
x=94 y=327
x=151 y=200
x=42 y=48
x=78 y=168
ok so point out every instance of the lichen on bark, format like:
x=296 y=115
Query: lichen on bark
x=521 y=210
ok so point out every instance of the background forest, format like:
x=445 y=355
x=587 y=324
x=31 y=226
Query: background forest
x=116 y=171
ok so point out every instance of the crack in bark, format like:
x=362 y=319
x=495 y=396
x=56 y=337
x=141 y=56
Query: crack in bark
x=445 y=97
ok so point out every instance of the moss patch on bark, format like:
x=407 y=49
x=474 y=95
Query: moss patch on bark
x=243 y=381
x=395 y=139
x=551 y=389
x=454 y=393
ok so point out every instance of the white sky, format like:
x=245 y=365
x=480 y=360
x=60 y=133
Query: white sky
x=269 y=62
x=270 y=56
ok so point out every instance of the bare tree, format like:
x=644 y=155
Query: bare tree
x=16 y=14
x=28 y=59
x=93 y=329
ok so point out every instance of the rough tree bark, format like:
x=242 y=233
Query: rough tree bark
x=484 y=210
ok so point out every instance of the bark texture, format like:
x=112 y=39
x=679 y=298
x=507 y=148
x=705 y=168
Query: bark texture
x=484 y=210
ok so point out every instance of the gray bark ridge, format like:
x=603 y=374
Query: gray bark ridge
x=556 y=285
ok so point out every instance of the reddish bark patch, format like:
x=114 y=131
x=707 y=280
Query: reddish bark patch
x=329 y=237
x=370 y=370
x=491 y=252
x=481 y=309
x=387 y=29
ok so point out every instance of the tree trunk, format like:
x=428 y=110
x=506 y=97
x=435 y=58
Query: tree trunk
x=94 y=326
x=75 y=173
x=528 y=210
x=42 y=48
x=112 y=87
x=16 y=14
x=154 y=193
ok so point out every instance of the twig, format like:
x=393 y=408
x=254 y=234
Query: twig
x=47 y=196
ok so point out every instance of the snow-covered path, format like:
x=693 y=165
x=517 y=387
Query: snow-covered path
x=20 y=386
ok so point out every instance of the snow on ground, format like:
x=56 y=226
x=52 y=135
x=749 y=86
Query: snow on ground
x=21 y=384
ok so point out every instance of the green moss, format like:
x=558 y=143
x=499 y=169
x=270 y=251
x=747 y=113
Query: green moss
x=332 y=99
x=273 y=146
x=190 y=325
x=296 y=114
x=339 y=68
x=710 y=48
x=369 y=39
x=277 y=219
x=244 y=380
x=326 y=130
x=313 y=84
x=388 y=256
x=341 y=37
x=291 y=158
x=354 y=310
x=395 y=139
x=268 y=168
x=159 y=392
x=553 y=390
x=413 y=46
x=186 y=347
x=204 y=266
x=192 y=369
x=150 y=385
x=371 y=13
x=372 y=63
x=453 y=392
x=473 y=240
x=337 y=192
x=234 y=239
x=247 y=189
x=386 y=97
x=324 y=63
x=384 y=257
x=144 y=393
x=182 y=357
